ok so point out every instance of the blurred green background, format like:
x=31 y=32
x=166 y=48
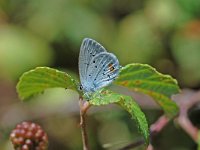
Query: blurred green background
x=162 y=33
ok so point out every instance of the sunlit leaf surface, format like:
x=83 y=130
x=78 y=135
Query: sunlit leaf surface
x=143 y=78
x=39 y=79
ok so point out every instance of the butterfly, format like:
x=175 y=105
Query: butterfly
x=97 y=67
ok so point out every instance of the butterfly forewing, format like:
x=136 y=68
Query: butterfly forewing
x=88 y=50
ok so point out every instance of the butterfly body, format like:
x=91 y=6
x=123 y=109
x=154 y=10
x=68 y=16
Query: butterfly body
x=97 y=67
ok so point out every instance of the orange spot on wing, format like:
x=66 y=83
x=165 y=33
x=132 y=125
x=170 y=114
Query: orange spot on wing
x=111 y=67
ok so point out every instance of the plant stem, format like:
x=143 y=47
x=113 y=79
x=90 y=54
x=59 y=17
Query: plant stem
x=83 y=109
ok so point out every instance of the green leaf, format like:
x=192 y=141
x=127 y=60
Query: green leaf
x=143 y=78
x=104 y=97
x=126 y=102
x=41 y=78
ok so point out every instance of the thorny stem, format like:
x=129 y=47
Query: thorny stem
x=84 y=106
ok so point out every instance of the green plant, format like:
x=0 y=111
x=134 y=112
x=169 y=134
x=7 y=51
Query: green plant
x=136 y=77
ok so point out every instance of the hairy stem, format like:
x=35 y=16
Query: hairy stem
x=83 y=109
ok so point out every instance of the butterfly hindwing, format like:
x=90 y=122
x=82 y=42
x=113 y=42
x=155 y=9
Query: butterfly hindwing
x=102 y=70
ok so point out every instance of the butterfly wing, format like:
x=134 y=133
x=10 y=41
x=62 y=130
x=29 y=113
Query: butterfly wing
x=89 y=49
x=102 y=70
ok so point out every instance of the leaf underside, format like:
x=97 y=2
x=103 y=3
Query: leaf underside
x=145 y=79
x=41 y=78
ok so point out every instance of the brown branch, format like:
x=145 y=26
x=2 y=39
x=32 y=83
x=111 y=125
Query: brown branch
x=185 y=103
x=150 y=147
x=84 y=106
x=159 y=125
x=187 y=126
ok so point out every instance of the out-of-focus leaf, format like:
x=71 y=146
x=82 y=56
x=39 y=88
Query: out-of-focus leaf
x=192 y=7
x=20 y=51
x=108 y=97
x=165 y=15
x=143 y=78
x=71 y=20
x=137 y=39
x=86 y=24
x=48 y=19
x=186 y=50
x=41 y=78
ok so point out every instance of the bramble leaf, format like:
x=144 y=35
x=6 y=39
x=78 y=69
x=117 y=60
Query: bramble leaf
x=144 y=78
x=41 y=78
x=126 y=102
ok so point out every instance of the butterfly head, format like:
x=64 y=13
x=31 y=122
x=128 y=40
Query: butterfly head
x=87 y=92
x=86 y=88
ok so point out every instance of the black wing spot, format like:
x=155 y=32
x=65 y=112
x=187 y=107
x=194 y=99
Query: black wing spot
x=89 y=75
x=108 y=76
x=94 y=61
x=80 y=87
x=93 y=55
x=95 y=66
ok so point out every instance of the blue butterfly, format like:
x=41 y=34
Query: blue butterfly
x=97 y=67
